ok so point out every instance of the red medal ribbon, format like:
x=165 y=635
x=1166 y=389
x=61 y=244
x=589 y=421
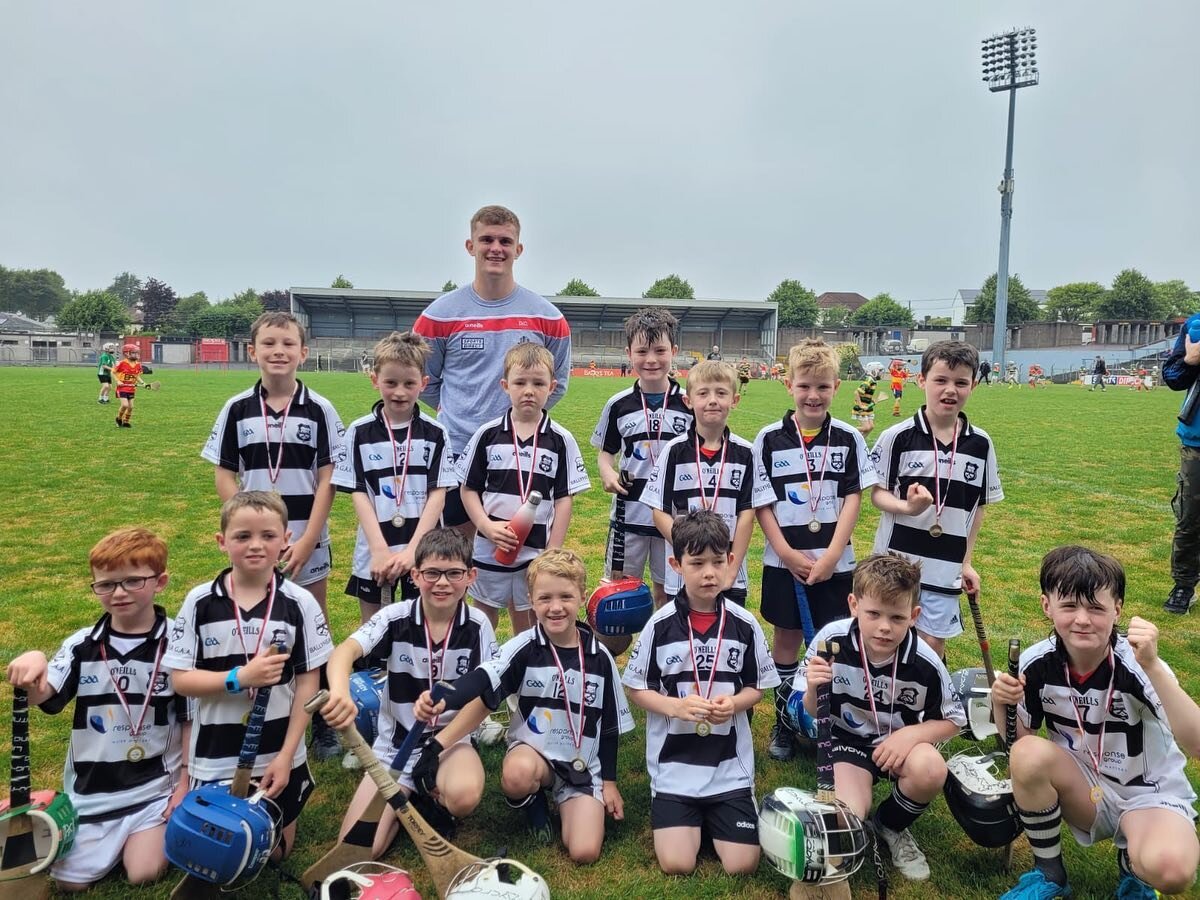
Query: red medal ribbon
x=720 y=474
x=650 y=444
x=398 y=485
x=429 y=649
x=812 y=502
x=938 y=503
x=237 y=618
x=1098 y=756
x=135 y=730
x=576 y=738
x=273 y=470
x=524 y=487
x=712 y=674
x=862 y=650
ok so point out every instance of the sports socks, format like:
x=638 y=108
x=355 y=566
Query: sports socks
x=898 y=811
x=1043 y=828
x=783 y=691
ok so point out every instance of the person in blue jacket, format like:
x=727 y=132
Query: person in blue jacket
x=1180 y=374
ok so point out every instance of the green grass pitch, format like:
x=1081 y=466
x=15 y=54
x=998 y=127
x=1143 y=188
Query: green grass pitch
x=1076 y=466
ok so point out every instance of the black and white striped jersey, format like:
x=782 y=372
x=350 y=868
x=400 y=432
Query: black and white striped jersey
x=242 y=442
x=904 y=455
x=526 y=667
x=1139 y=755
x=922 y=688
x=679 y=761
x=636 y=435
x=108 y=770
x=370 y=463
x=205 y=636
x=680 y=482
x=838 y=464
x=490 y=465
x=397 y=632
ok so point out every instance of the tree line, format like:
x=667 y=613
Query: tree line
x=40 y=293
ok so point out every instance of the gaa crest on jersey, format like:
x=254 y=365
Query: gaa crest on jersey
x=970 y=471
x=304 y=431
x=160 y=683
x=907 y=696
x=462 y=665
x=734 y=660
x=837 y=460
x=589 y=693
x=735 y=479
x=679 y=424
x=544 y=463
x=178 y=628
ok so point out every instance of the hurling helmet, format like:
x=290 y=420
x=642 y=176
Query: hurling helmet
x=366 y=690
x=981 y=799
x=971 y=688
x=369 y=881
x=620 y=607
x=497 y=879
x=220 y=838
x=810 y=840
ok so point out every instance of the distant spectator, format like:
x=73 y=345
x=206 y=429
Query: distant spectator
x=1099 y=374
x=716 y=353
x=985 y=372
x=1179 y=373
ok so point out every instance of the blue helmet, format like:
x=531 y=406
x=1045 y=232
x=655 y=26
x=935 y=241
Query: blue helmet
x=219 y=838
x=366 y=690
x=802 y=724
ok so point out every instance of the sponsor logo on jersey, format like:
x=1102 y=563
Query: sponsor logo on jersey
x=472 y=343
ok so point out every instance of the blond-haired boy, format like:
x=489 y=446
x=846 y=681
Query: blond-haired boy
x=707 y=467
x=506 y=461
x=810 y=473
x=396 y=464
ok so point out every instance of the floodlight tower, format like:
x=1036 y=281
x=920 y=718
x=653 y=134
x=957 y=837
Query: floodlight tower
x=1009 y=63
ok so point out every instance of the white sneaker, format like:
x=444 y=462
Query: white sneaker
x=490 y=732
x=350 y=761
x=906 y=855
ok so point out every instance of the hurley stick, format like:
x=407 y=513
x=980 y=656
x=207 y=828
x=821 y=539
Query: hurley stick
x=1010 y=727
x=20 y=862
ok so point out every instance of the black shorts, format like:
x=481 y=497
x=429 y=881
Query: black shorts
x=291 y=802
x=857 y=755
x=827 y=600
x=454 y=513
x=729 y=817
x=368 y=591
x=104 y=377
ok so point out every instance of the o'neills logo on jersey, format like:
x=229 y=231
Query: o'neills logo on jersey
x=476 y=326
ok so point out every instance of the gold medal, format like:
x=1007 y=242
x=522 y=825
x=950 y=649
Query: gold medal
x=935 y=530
x=703 y=729
x=814 y=526
x=1097 y=794
x=578 y=764
x=136 y=753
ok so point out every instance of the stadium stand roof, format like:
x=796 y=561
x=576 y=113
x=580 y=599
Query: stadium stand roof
x=369 y=314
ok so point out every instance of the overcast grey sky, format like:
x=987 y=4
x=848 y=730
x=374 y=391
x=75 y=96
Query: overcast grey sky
x=221 y=145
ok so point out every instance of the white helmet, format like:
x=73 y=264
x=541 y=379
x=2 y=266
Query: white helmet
x=875 y=369
x=369 y=881
x=497 y=879
x=810 y=840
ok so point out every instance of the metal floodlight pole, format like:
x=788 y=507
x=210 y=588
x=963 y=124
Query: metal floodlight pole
x=1009 y=63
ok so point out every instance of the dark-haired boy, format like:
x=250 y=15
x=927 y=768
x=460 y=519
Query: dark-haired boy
x=707 y=467
x=436 y=637
x=936 y=473
x=637 y=423
x=698 y=667
x=125 y=770
x=1109 y=764
x=890 y=704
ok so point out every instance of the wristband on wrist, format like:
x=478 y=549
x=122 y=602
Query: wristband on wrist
x=232 y=685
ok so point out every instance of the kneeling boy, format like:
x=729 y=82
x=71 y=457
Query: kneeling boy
x=123 y=782
x=1109 y=764
x=437 y=637
x=890 y=704
x=571 y=709
x=698 y=666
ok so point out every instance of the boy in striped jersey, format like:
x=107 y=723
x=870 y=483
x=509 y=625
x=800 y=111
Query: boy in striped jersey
x=219 y=654
x=504 y=462
x=699 y=665
x=1109 y=763
x=281 y=436
x=435 y=637
x=571 y=710
x=124 y=770
x=890 y=704
x=396 y=465
x=810 y=472
x=636 y=424
x=707 y=467
x=937 y=473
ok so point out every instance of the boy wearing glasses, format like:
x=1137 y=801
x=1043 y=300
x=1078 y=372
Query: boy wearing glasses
x=396 y=464
x=436 y=637
x=125 y=769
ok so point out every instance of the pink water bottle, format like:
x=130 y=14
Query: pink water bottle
x=520 y=524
